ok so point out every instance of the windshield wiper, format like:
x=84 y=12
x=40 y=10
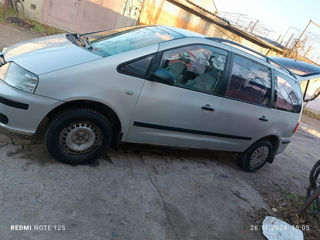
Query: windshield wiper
x=84 y=41
x=87 y=42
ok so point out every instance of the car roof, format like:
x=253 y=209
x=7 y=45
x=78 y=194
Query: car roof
x=234 y=45
x=184 y=32
x=256 y=55
x=297 y=70
x=282 y=64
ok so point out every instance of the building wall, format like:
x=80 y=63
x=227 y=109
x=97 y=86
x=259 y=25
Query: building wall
x=86 y=15
x=33 y=9
x=167 y=13
x=94 y=15
x=83 y=15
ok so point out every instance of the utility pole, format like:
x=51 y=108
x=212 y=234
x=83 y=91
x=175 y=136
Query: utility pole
x=215 y=6
x=315 y=23
x=308 y=51
x=289 y=40
x=301 y=35
x=284 y=36
x=278 y=40
x=249 y=26
x=254 y=26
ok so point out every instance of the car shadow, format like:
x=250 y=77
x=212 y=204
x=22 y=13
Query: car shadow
x=171 y=153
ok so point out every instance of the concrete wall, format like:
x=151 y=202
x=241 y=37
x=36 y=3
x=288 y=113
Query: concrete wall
x=85 y=15
x=33 y=9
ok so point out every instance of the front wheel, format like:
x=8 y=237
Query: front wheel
x=78 y=136
x=256 y=156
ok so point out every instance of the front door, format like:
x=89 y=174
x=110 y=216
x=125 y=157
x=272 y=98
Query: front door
x=183 y=114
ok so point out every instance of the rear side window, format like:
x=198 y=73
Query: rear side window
x=288 y=96
x=250 y=81
x=137 y=67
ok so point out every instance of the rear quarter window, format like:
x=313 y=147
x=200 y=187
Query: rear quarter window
x=288 y=96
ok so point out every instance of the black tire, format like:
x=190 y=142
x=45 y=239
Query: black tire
x=313 y=178
x=314 y=173
x=63 y=136
x=244 y=159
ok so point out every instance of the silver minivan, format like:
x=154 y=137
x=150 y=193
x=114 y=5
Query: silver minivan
x=154 y=85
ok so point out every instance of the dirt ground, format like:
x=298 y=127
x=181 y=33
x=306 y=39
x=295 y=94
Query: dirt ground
x=141 y=192
x=10 y=35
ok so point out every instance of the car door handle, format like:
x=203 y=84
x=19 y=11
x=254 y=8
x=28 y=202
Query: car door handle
x=263 y=118
x=207 y=107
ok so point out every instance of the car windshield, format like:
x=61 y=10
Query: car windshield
x=130 y=38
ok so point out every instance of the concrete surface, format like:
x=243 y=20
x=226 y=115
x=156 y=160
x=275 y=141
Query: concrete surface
x=141 y=192
x=10 y=35
x=135 y=193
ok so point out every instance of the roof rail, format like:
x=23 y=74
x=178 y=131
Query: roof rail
x=221 y=40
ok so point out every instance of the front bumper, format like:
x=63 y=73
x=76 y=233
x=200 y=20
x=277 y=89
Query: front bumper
x=21 y=111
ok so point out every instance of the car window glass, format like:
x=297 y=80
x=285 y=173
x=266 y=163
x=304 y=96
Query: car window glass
x=196 y=67
x=288 y=96
x=138 y=67
x=126 y=39
x=250 y=81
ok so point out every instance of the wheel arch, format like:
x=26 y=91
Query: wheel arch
x=275 y=140
x=94 y=105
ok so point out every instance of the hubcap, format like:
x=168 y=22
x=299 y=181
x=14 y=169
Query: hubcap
x=80 y=137
x=259 y=156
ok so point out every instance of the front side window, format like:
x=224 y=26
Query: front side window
x=288 y=96
x=250 y=81
x=197 y=67
x=137 y=67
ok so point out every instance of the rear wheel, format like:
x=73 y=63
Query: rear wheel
x=256 y=156
x=78 y=136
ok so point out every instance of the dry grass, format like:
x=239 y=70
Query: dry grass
x=311 y=113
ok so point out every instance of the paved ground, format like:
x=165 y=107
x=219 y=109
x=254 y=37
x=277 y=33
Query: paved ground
x=141 y=192
x=10 y=35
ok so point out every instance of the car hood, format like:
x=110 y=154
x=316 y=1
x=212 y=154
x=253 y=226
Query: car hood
x=47 y=54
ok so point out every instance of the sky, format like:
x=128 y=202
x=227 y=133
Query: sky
x=278 y=14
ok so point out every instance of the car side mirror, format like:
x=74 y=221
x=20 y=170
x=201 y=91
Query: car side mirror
x=162 y=76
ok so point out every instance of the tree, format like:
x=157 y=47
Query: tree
x=5 y=8
x=14 y=4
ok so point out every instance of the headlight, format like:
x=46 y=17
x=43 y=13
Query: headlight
x=2 y=61
x=18 y=77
